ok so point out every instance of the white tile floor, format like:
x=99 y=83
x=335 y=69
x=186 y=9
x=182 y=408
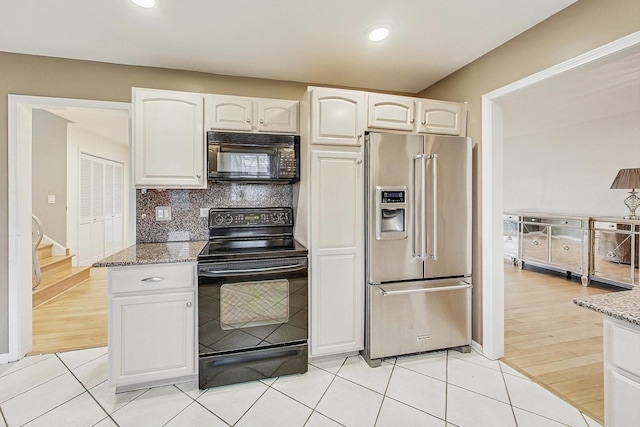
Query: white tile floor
x=436 y=389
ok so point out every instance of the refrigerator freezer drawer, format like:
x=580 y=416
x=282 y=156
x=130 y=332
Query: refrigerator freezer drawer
x=413 y=317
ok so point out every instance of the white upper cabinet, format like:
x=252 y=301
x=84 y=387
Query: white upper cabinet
x=391 y=112
x=230 y=112
x=337 y=117
x=415 y=115
x=277 y=115
x=168 y=139
x=243 y=114
x=441 y=117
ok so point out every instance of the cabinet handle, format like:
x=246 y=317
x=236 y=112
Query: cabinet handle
x=566 y=248
x=424 y=122
x=611 y=255
x=359 y=162
x=359 y=135
x=153 y=279
x=535 y=243
x=198 y=176
x=189 y=304
x=248 y=120
x=411 y=121
x=261 y=120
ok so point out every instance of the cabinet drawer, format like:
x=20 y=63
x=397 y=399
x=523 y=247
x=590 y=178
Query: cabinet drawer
x=605 y=225
x=151 y=277
x=623 y=347
x=572 y=223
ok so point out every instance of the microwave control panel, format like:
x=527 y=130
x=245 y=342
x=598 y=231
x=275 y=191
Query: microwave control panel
x=288 y=164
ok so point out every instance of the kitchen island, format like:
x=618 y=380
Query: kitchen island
x=621 y=333
x=152 y=314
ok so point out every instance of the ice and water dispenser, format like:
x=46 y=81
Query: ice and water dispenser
x=391 y=213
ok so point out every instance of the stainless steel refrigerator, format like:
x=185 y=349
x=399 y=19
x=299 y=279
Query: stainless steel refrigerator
x=418 y=244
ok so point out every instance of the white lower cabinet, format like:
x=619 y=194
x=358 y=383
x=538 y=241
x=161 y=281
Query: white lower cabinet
x=621 y=373
x=152 y=329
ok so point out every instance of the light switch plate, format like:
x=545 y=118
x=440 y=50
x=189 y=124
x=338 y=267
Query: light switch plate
x=51 y=198
x=204 y=212
x=163 y=213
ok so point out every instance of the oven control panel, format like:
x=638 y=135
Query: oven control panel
x=249 y=218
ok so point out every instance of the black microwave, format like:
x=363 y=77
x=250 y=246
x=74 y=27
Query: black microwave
x=251 y=157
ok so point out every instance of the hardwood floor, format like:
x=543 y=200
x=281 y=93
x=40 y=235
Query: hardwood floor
x=74 y=320
x=553 y=341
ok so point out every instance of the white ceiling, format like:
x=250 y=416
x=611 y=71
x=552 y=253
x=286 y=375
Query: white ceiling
x=310 y=41
x=608 y=87
x=112 y=125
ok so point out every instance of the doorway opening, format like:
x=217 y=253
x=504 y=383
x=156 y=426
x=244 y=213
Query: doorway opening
x=69 y=165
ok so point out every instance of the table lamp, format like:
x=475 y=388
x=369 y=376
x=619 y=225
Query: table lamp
x=629 y=179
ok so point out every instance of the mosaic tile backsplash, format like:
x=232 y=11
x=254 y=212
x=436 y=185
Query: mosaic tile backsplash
x=185 y=223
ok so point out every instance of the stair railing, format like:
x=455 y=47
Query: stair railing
x=37 y=232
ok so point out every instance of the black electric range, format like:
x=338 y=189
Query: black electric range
x=252 y=297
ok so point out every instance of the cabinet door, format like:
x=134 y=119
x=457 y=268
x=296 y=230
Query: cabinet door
x=337 y=117
x=168 y=139
x=151 y=337
x=566 y=248
x=230 y=112
x=535 y=242
x=622 y=398
x=390 y=112
x=614 y=249
x=337 y=238
x=277 y=115
x=511 y=237
x=440 y=117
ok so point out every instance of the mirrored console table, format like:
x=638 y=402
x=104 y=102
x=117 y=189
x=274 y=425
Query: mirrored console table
x=603 y=249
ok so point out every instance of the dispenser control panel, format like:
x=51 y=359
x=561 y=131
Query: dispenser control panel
x=392 y=196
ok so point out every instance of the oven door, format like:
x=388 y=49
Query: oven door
x=252 y=320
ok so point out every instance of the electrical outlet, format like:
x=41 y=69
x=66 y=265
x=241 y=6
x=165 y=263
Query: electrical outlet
x=204 y=212
x=163 y=213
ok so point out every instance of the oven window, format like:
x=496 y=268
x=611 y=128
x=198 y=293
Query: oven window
x=257 y=303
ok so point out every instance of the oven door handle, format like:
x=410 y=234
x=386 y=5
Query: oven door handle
x=249 y=271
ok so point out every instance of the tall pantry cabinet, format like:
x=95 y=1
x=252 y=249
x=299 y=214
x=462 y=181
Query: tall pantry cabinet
x=330 y=216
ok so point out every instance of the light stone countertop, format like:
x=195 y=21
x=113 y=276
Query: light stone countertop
x=622 y=305
x=154 y=253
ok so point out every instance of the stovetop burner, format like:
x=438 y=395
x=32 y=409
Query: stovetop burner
x=251 y=233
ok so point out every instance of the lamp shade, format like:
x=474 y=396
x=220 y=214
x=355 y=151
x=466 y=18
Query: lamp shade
x=627 y=179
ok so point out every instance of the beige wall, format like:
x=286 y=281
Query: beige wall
x=49 y=145
x=580 y=28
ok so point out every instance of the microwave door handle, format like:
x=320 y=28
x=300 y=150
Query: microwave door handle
x=434 y=210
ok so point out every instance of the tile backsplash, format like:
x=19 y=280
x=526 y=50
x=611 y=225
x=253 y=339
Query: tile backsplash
x=186 y=223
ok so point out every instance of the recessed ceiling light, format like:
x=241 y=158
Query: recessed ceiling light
x=145 y=3
x=379 y=32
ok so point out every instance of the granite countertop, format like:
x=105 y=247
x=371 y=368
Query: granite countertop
x=622 y=305
x=154 y=253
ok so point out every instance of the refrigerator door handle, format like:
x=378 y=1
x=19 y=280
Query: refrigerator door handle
x=421 y=234
x=434 y=196
x=461 y=285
